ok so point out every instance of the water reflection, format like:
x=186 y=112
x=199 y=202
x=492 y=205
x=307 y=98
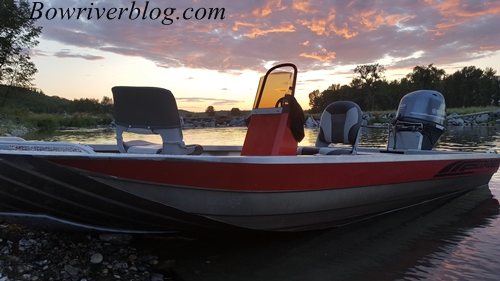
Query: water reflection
x=470 y=138
x=403 y=245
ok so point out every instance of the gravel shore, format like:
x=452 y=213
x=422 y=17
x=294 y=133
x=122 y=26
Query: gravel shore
x=26 y=254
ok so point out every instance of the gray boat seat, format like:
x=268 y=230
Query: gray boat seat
x=149 y=110
x=340 y=124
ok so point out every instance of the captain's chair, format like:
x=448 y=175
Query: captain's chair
x=149 y=110
x=340 y=124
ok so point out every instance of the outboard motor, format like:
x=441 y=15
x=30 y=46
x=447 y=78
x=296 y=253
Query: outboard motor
x=419 y=121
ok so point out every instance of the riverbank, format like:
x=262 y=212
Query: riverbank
x=27 y=254
x=481 y=118
x=15 y=126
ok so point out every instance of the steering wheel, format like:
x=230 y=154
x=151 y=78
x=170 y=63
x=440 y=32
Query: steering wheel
x=279 y=103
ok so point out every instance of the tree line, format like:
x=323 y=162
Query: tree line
x=470 y=86
x=37 y=102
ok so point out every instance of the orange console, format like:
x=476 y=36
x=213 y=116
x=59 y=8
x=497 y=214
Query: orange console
x=269 y=134
x=276 y=123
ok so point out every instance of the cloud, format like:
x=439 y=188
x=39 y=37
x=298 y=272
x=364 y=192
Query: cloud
x=315 y=34
x=213 y=101
x=68 y=54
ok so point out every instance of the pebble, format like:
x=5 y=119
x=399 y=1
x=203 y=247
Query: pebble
x=29 y=255
x=96 y=258
x=116 y=239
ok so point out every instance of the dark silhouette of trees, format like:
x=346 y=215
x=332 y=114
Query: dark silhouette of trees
x=469 y=86
x=426 y=77
x=235 y=111
x=17 y=35
x=370 y=75
x=210 y=111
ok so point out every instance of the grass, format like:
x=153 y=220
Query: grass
x=468 y=110
x=14 y=118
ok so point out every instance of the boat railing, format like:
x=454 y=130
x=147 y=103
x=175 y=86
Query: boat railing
x=20 y=145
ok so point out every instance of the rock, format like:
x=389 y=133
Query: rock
x=311 y=123
x=73 y=271
x=482 y=118
x=495 y=114
x=156 y=277
x=116 y=239
x=132 y=258
x=96 y=258
x=367 y=116
x=121 y=265
x=458 y=122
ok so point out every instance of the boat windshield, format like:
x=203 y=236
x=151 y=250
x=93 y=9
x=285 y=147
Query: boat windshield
x=277 y=85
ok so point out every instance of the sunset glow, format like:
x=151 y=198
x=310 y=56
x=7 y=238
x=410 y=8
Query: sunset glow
x=218 y=61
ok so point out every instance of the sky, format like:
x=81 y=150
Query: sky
x=218 y=60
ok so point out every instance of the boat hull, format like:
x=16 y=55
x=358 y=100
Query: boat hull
x=118 y=194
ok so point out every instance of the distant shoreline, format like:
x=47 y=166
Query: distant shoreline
x=11 y=125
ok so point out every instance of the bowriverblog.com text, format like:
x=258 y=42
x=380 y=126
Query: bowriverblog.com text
x=132 y=12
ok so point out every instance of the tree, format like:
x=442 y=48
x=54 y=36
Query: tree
x=235 y=111
x=426 y=77
x=17 y=35
x=316 y=101
x=19 y=74
x=106 y=105
x=210 y=111
x=370 y=73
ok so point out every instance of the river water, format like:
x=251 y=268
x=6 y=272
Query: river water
x=454 y=240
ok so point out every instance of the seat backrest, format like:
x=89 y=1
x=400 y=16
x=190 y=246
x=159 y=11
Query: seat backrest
x=149 y=110
x=131 y=104
x=340 y=123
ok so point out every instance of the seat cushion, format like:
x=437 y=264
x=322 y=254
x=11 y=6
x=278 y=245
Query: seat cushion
x=142 y=147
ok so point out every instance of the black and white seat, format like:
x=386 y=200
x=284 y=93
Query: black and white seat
x=149 y=110
x=340 y=124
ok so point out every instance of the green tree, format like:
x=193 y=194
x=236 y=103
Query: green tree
x=17 y=35
x=210 y=111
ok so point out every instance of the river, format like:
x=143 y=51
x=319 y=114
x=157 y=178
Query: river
x=454 y=240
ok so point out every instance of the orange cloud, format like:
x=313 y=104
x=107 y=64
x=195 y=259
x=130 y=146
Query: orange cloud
x=315 y=25
x=284 y=27
x=304 y=6
x=489 y=48
x=455 y=14
x=366 y=20
x=374 y=19
x=323 y=55
x=343 y=31
x=244 y=24
x=270 y=6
